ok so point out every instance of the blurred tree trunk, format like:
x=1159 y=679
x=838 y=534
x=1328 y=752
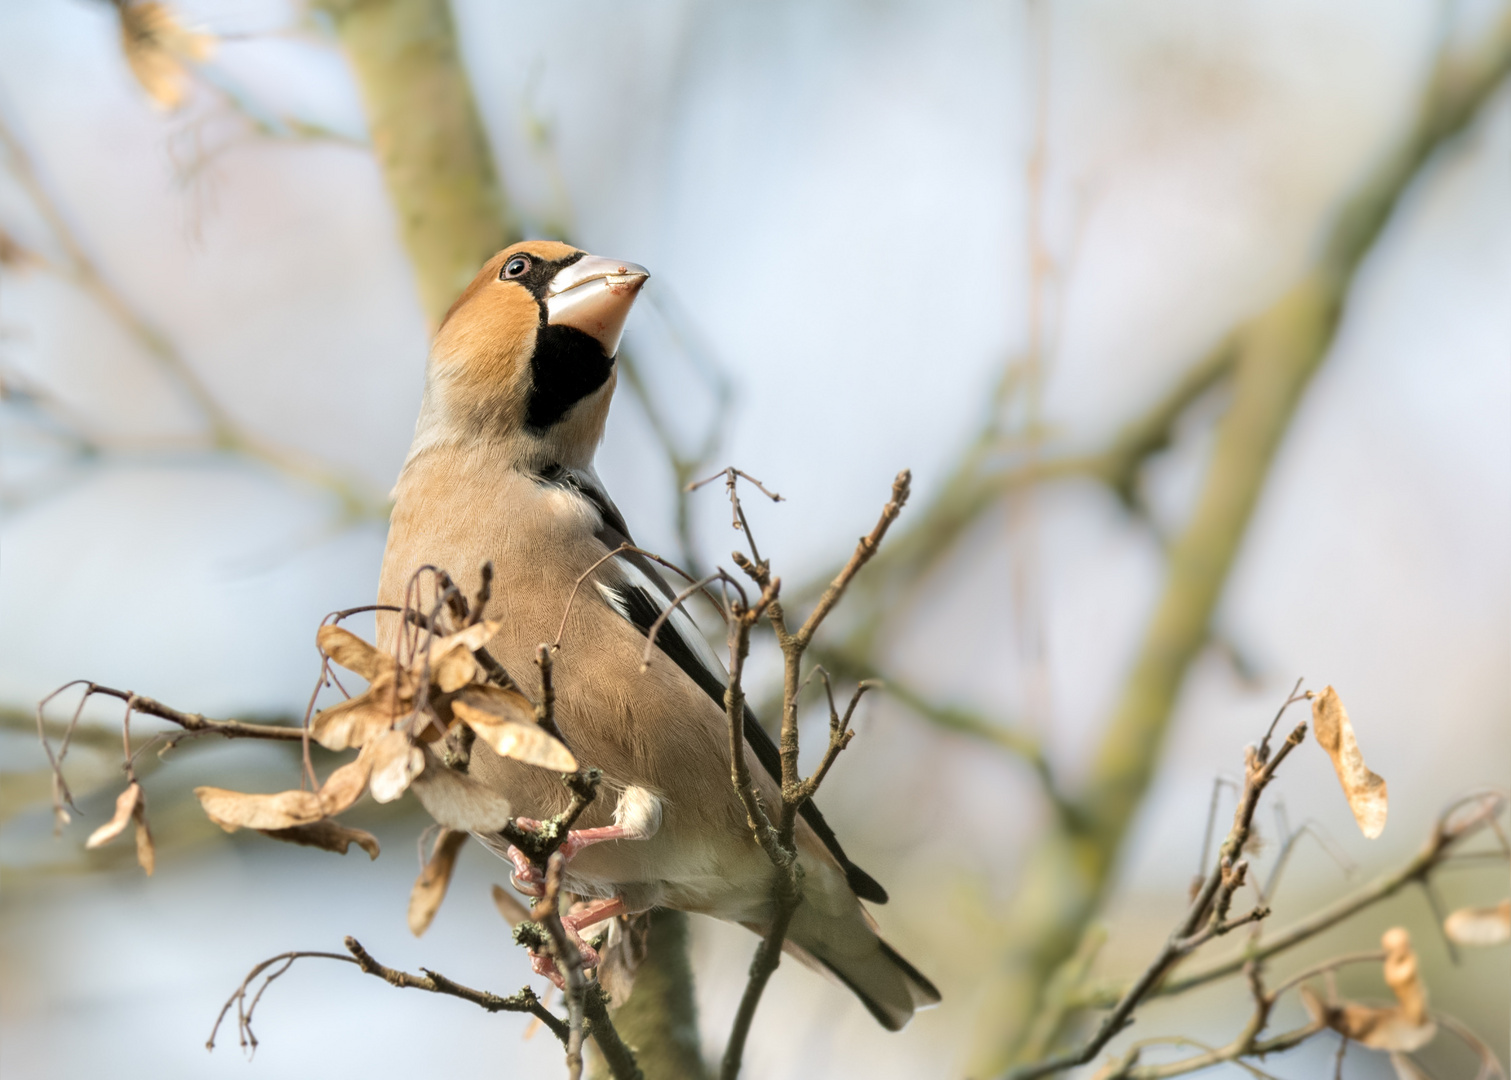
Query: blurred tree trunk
x=1065 y=878
x=429 y=141
x=453 y=214
x=660 y=1019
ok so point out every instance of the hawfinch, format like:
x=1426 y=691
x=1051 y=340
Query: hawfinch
x=517 y=391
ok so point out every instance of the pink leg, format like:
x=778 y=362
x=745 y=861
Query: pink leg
x=528 y=879
x=578 y=839
x=592 y=913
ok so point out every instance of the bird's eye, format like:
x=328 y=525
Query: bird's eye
x=516 y=267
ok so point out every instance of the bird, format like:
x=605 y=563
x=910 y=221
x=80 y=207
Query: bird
x=518 y=385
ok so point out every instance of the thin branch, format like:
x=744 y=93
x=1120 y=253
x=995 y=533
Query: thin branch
x=523 y=1002
x=865 y=550
x=1447 y=834
x=654 y=631
x=224 y=434
x=840 y=734
x=732 y=476
x=196 y=722
x=1204 y=919
x=741 y=624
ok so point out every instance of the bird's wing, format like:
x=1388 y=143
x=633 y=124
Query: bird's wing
x=638 y=592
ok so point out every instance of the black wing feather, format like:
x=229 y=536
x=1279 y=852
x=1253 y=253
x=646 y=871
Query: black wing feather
x=643 y=611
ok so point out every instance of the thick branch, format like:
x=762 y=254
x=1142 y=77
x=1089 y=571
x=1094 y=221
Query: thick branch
x=428 y=139
x=660 y=1017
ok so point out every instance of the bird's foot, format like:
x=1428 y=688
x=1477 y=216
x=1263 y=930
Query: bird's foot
x=530 y=880
x=582 y=915
x=577 y=839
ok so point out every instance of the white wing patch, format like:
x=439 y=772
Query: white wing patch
x=680 y=621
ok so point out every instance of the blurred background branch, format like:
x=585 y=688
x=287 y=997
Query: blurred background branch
x=1277 y=353
x=451 y=211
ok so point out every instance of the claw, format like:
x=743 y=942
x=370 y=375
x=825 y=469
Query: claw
x=527 y=877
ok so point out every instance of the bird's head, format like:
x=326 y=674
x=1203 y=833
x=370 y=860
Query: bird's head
x=526 y=354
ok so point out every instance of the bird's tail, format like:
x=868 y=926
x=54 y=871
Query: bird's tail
x=846 y=944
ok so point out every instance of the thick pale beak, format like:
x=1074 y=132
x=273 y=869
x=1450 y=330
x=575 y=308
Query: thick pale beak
x=595 y=296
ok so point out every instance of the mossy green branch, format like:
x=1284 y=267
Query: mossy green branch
x=660 y=1018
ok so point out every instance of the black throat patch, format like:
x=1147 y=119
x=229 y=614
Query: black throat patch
x=567 y=366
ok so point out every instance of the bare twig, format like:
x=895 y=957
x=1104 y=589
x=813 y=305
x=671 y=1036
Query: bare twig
x=741 y=624
x=778 y=842
x=654 y=631
x=193 y=724
x=732 y=476
x=568 y=959
x=523 y=1002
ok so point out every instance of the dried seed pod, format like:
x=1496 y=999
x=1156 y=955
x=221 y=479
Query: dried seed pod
x=430 y=887
x=1366 y=792
x=233 y=810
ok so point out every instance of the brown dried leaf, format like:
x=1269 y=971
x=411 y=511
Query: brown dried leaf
x=510 y=908
x=327 y=834
x=146 y=851
x=453 y=670
x=1378 y=1027
x=125 y=807
x=504 y=704
x=157 y=46
x=344 y=787
x=430 y=887
x=360 y=719
x=526 y=742
x=396 y=760
x=1480 y=926
x=233 y=810
x=1384 y=1028
x=451 y=663
x=1367 y=796
x=352 y=653
x=473 y=638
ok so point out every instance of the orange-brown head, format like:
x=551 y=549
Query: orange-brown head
x=526 y=354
